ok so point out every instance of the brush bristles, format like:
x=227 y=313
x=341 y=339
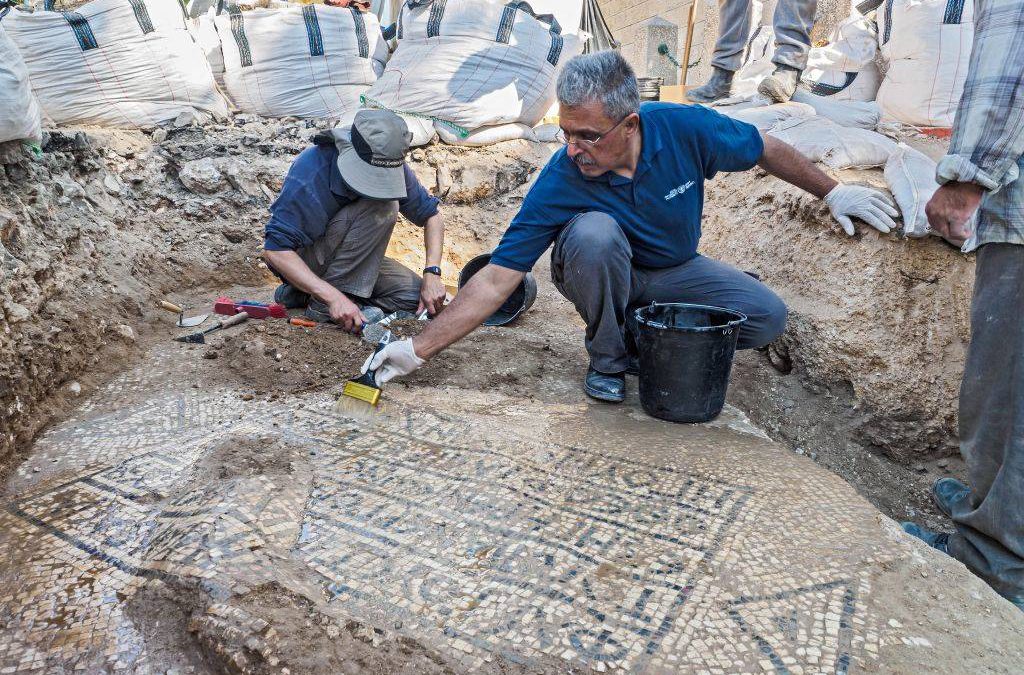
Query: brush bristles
x=361 y=392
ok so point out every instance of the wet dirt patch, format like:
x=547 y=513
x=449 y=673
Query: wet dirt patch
x=161 y=614
x=271 y=629
x=245 y=457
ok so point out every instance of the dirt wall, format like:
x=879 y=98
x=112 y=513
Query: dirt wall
x=104 y=223
x=878 y=325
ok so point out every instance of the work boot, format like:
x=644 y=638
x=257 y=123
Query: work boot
x=603 y=387
x=946 y=492
x=780 y=85
x=290 y=297
x=937 y=540
x=717 y=87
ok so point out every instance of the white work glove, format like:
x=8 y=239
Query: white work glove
x=868 y=204
x=395 y=360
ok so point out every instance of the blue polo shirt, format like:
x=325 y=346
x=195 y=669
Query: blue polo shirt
x=659 y=210
x=314 y=192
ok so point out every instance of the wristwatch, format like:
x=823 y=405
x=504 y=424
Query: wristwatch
x=432 y=270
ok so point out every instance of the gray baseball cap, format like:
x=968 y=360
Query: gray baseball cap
x=371 y=153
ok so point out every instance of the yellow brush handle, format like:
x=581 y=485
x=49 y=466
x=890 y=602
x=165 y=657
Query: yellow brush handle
x=169 y=306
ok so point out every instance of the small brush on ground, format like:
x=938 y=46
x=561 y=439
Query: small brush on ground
x=361 y=396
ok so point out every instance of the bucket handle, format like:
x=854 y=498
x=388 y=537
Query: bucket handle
x=727 y=328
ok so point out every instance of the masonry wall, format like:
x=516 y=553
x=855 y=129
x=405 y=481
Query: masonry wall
x=626 y=18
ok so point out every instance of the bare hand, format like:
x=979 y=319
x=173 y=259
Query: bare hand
x=432 y=295
x=346 y=314
x=950 y=209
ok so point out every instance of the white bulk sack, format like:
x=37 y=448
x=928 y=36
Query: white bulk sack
x=821 y=140
x=487 y=135
x=927 y=44
x=422 y=130
x=206 y=35
x=844 y=69
x=19 y=112
x=859 y=114
x=766 y=117
x=309 y=61
x=117 y=63
x=757 y=62
x=911 y=179
x=473 y=63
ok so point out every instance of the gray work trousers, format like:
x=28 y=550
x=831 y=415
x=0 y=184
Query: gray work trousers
x=792 y=22
x=350 y=257
x=990 y=525
x=592 y=266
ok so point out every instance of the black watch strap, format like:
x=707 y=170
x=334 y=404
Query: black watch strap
x=432 y=270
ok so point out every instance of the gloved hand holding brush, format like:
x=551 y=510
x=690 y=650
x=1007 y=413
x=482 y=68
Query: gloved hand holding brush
x=395 y=360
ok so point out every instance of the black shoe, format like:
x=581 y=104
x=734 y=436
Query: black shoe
x=937 y=540
x=608 y=388
x=946 y=492
x=718 y=86
x=290 y=297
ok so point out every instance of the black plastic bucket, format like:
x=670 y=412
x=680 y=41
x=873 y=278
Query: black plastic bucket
x=685 y=359
x=521 y=299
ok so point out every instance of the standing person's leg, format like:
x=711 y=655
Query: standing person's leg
x=733 y=32
x=591 y=265
x=792 y=22
x=704 y=281
x=990 y=524
x=350 y=253
x=734 y=18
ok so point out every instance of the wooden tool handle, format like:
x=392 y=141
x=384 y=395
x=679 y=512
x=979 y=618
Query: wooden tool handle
x=234 y=320
x=169 y=306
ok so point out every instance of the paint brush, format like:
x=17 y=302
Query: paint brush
x=361 y=395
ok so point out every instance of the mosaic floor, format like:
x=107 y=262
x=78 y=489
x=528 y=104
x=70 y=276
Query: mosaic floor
x=480 y=528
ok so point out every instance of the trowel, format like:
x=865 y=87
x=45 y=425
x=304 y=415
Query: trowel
x=200 y=337
x=190 y=322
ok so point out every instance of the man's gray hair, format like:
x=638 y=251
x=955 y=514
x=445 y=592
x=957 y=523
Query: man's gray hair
x=604 y=77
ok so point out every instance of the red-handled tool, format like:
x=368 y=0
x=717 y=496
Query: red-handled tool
x=255 y=310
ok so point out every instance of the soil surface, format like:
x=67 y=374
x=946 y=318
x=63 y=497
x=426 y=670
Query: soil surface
x=106 y=223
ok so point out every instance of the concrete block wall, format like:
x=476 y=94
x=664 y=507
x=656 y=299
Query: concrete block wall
x=626 y=18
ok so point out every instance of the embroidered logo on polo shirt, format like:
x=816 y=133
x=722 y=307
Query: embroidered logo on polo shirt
x=679 y=190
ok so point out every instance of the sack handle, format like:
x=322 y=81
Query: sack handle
x=508 y=18
x=5 y=7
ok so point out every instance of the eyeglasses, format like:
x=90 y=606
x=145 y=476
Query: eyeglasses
x=586 y=143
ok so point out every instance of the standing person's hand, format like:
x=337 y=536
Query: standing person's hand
x=950 y=209
x=432 y=295
x=346 y=314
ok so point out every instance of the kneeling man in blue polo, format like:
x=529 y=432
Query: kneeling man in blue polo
x=622 y=205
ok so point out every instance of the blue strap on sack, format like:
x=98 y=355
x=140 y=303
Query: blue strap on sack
x=313 y=34
x=822 y=89
x=238 y=32
x=887 y=27
x=83 y=32
x=360 y=24
x=954 y=12
x=508 y=20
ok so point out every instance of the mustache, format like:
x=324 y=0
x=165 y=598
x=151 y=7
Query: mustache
x=583 y=160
